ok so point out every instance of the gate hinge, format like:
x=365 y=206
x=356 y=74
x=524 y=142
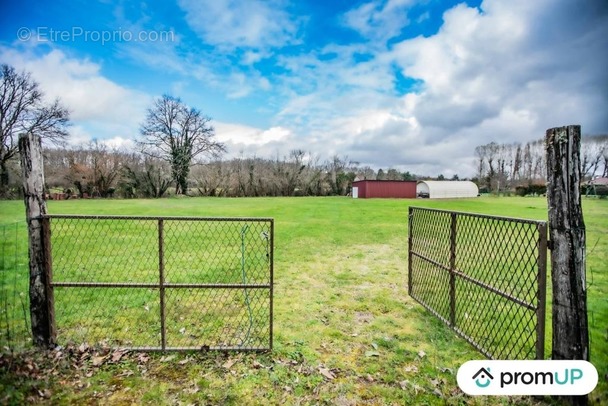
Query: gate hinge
x=550 y=244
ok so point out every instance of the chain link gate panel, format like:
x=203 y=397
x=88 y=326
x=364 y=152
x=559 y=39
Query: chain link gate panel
x=484 y=276
x=163 y=283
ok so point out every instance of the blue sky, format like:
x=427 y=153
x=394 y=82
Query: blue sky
x=409 y=84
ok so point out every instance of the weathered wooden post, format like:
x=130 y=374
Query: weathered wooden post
x=567 y=234
x=41 y=295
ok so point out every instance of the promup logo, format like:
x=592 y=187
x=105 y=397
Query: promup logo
x=483 y=378
x=527 y=377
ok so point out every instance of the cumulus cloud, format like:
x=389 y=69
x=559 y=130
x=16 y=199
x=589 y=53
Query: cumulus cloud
x=379 y=19
x=253 y=24
x=483 y=64
x=503 y=72
x=237 y=134
x=100 y=107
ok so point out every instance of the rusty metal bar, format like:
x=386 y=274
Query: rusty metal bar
x=431 y=261
x=542 y=291
x=476 y=282
x=453 y=269
x=48 y=269
x=271 y=259
x=485 y=216
x=161 y=282
x=157 y=285
x=494 y=290
x=200 y=348
x=410 y=224
x=156 y=218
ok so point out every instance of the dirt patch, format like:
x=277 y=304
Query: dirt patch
x=363 y=317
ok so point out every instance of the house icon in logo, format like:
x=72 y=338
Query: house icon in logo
x=483 y=378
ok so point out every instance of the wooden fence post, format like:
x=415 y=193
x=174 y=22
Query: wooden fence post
x=41 y=304
x=567 y=234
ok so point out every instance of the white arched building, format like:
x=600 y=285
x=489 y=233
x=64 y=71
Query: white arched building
x=446 y=189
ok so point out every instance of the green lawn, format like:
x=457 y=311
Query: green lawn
x=345 y=330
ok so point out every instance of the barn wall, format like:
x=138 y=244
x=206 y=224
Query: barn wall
x=362 y=189
x=386 y=189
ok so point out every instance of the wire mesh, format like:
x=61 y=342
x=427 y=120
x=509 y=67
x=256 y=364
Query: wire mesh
x=14 y=286
x=163 y=283
x=483 y=276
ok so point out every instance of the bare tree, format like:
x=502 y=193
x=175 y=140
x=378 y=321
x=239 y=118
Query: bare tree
x=23 y=110
x=177 y=134
x=593 y=149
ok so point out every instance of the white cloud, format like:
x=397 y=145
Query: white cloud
x=379 y=19
x=503 y=72
x=99 y=107
x=120 y=143
x=499 y=73
x=481 y=66
x=237 y=134
x=251 y=141
x=253 y=24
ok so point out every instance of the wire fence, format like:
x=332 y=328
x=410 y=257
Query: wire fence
x=163 y=283
x=484 y=276
x=14 y=286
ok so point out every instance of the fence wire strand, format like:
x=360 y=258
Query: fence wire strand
x=14 y=286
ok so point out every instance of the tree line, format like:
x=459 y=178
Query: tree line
x=505 y=167
x=95 y=170
x=176 y=151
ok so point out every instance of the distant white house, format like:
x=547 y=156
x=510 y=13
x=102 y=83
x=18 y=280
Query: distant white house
x=446 y=189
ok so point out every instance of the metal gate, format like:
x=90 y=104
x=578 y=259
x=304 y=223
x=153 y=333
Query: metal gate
x=162 y=283
x=484 y=276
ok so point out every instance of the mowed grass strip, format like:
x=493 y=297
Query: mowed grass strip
x=346 y=332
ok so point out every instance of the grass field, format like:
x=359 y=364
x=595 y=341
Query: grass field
x=345 y=330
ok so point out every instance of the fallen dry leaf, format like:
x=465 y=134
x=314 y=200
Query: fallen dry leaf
x=97 y=361
x=411 y=368
x=118 y=354
x=228 y=364
x=326 y=373
x=168 y=358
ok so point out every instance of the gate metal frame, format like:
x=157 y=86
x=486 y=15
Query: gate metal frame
x=161 y=285
x=539 y=308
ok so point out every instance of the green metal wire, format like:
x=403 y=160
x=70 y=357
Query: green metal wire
x=244 y=279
